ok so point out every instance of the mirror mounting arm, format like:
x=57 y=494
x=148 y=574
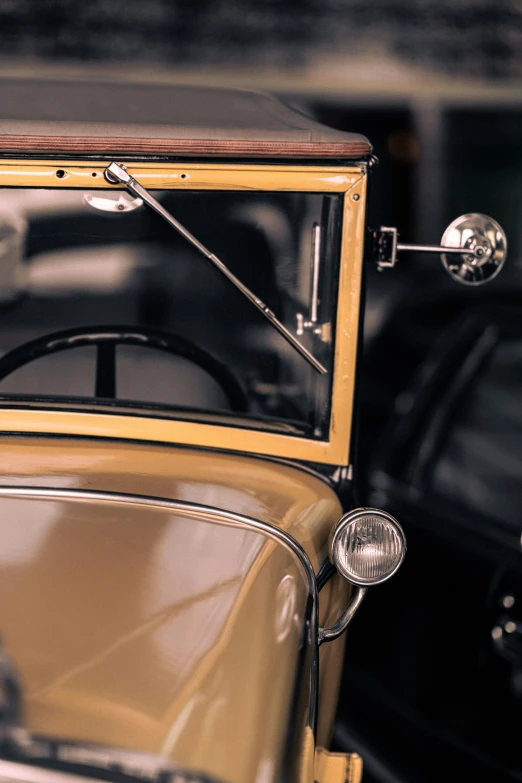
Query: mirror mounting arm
x=385 y=248
x=473 y=249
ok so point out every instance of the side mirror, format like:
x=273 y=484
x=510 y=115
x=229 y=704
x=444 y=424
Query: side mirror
x=485 y=244
x=367 y=547
x=473 y=248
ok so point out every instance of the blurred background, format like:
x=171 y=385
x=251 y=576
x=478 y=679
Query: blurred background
x=433 y=681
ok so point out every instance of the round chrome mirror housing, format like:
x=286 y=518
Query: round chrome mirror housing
x=367 y=546
x=484 y=249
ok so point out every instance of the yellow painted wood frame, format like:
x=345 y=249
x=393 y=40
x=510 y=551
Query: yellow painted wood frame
x=350 y=180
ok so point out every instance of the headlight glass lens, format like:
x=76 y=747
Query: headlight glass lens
x=368 y=546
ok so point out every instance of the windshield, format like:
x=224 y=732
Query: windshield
x=192 y=346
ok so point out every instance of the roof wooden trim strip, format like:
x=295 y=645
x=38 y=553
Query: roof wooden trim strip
x=11 y=143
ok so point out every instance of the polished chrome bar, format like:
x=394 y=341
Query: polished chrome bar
x=115 y=173
x=316 y=261
x=440 y=249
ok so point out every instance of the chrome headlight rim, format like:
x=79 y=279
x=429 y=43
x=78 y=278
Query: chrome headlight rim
x=350 y=519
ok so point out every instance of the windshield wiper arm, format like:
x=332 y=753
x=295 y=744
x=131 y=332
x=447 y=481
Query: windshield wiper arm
x=116 y=174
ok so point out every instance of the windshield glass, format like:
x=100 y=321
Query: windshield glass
x=192 y=345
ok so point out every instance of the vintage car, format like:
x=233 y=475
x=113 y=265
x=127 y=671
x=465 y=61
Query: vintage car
x=181 y=548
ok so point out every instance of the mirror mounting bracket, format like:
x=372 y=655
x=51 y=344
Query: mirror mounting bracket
x=383 y=247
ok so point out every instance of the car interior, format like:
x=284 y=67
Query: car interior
x=84 y=260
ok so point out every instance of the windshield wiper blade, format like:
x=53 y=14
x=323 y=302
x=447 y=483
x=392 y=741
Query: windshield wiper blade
x=116 y=174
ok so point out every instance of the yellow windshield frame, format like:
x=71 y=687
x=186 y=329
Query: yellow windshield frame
x=348 y=180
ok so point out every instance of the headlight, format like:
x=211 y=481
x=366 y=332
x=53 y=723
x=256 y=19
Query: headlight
x=367 y=546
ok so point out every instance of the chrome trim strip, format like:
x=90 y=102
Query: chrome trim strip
x=201 y=510
x=173 y=505
x=11 y=771
x=20 y=772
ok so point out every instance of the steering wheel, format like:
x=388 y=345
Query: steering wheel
x=106 y=338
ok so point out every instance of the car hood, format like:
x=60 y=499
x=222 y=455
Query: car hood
x=170 y=629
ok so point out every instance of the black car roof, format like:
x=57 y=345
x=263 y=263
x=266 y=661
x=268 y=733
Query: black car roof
x=70 y=117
